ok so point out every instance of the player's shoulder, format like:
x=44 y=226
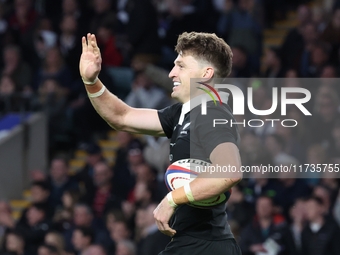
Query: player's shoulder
x=218 y=110
x=172 y=109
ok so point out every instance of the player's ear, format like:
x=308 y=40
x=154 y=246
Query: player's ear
x=209 y=72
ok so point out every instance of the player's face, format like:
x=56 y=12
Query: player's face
x=186 y=67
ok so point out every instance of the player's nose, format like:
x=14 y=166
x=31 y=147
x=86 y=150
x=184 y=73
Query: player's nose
x=172 y=73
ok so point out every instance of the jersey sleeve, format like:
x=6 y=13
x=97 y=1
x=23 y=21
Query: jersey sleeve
x=169 y=117
x=209 y=136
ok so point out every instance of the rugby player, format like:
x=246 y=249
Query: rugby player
x=203 y=56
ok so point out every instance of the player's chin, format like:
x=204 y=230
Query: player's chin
x=174 y=95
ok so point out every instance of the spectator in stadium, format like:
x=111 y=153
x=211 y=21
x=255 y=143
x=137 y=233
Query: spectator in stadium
x=293 y=145
x=325 y=116
x=330 y=180
x=146 y=94
x=106 y=195
x=316 y=154
x=275 y=145
x=142 y=194
x=161 y=146
x=9 y=101
x=120 y=232
x=148 y=175
x=292 y=188
x=294 y=42
x=260 y=186
x=126 y=247
x=69 y=46
x=82 y=238
x=21 y=25
x=40 y=194
x=16 y=68
x=45 y=38
x=102 y=13
x=242 y=29
x=336 y=210
x=320 y=236
x=241 y=67
x=85 y=175
x=6 y=220
x=316 y=60
x=72 y=7
x=126 y=170
x=179 y=16
x=46 y=249
x=135 y=155
x=151 y=240
x=54 y=67
x=291 y=234
x=83 y=217
x=264 y=225
x=112 y=217
x=331 y=72
x=14 y=244
x=240 y=212
x=107 y=42
x=331 y=33
x=273 y=64
x=63 y=216
x=56 y=239
x=250 y=148
x=141 y=29
x=36 y=228
x=124 y=140
x=59 y=181
x=52 y=97
x=325 y=194
x=95 y=249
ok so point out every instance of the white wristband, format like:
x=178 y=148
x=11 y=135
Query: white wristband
x=171 y=200
x=188 y=192
x=97 y=94
x=89 y=82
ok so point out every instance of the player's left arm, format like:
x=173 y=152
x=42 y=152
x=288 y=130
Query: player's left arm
x=207 y=185
x=225 y=156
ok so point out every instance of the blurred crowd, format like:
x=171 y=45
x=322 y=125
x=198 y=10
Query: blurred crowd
x=105 y=209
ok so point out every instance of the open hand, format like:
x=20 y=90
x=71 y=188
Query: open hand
x=162 y=215
x=90 y=60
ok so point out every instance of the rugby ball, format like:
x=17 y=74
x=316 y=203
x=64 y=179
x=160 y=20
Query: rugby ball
x=183 y=171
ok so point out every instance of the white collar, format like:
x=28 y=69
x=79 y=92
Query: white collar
x=191 y=104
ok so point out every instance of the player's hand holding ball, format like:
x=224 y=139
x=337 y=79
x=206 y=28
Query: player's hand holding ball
x=90 y=60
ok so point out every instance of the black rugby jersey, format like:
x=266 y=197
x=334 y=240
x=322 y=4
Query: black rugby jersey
x=208 y=224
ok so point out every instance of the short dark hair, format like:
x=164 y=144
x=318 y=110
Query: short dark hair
x=86 y=231
x=86 y=206
x=41 y=184
x=16 y=233
x=51 y=248
x=263 y=196
x=208 y=47
x=41 y=207
x=316 y=199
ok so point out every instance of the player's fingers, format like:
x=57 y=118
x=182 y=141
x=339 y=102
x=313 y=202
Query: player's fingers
x=159 y=226
x=89 y=44
x=94 y=44
x=84 y=44
x=168 y=229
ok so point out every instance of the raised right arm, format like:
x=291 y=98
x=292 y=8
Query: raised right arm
x=114 y=111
